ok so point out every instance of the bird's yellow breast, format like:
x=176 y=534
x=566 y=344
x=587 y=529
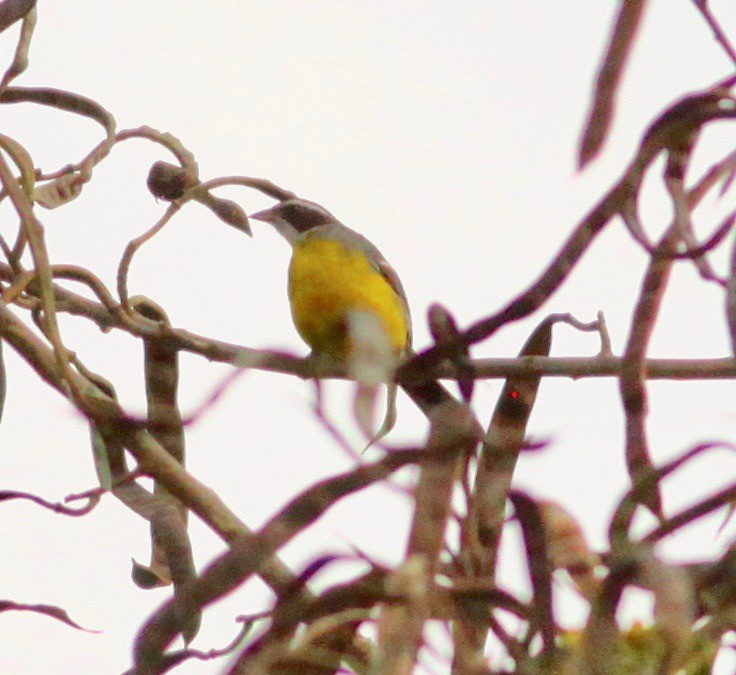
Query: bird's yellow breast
x=326 y=282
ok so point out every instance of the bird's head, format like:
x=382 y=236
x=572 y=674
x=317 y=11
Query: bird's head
x=294 y=217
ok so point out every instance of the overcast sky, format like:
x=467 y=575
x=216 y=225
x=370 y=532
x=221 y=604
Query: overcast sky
x=446 y=133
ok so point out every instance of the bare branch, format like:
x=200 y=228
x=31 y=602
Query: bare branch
x=718 y=33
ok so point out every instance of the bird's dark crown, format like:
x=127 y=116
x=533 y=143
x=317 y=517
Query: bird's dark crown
x=302 y=214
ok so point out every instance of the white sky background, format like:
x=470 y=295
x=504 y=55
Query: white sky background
x=446 y=133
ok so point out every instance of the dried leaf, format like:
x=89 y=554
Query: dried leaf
x=727 y=182
x=101 y=459
x=442 y=325
x=22 y=159
x=500 y=451
x=568 y=549
x=63 y=100
x=443 y=328
x=14 y=10
x=674 y=604
x=731 y=300
x=540 y=569
x=400 y=626
x=149 y=577
x=20 y=58
x=58 y=192
x=3 y=381
x=519 y=393
x=601 y=635
x=620 y=46
x=171 y=553
x=48 y=610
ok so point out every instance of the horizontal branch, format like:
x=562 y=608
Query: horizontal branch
x=602 y=366
x=290 y=364
x=568 y=366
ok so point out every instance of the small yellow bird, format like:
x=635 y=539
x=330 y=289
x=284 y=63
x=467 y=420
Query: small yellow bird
x=336 y=275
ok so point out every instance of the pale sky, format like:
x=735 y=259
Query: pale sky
x=444 y=132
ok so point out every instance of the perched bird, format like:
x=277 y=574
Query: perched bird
x=340 y=289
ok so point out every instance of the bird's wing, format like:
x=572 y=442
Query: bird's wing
x=380 y=263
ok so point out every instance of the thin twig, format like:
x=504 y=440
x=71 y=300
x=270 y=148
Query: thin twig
x=718 y=33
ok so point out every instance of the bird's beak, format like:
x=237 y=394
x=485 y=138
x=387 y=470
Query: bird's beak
x=276 y=220
x=266 y=216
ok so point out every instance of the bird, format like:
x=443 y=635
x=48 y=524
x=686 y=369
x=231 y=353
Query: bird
x=340 y=286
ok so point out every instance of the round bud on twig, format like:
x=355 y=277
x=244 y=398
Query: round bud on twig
x=169 y=181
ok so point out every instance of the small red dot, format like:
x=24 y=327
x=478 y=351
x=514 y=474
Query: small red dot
x=514 y=394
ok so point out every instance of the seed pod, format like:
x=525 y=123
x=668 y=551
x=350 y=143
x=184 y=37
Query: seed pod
x=168 y=181
x=229 y=212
